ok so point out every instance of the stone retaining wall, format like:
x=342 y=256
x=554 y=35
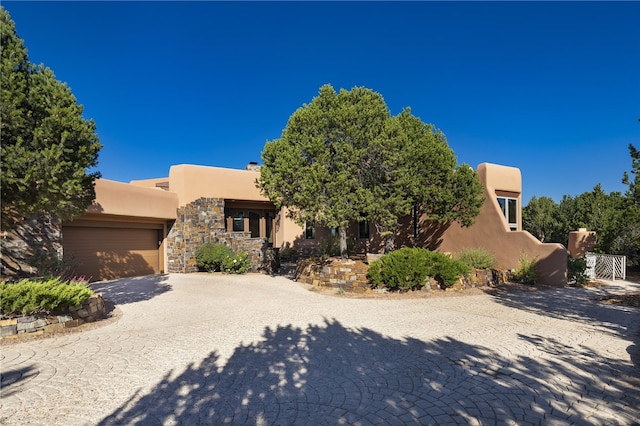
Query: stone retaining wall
x=91 y=310
x=351 y=275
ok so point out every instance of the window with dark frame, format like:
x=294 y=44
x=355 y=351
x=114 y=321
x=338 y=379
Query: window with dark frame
x=238 y=221
x=363 y=230
x=309 y=230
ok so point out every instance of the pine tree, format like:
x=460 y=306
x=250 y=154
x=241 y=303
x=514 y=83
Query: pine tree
x=48 y=148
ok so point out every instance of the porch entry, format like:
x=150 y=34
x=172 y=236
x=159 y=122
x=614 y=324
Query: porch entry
x=254 y=217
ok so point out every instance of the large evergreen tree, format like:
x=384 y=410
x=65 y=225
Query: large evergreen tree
x=342 y=157
x=48 y=149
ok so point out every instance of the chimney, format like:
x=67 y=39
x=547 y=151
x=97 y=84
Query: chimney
x=253 y=166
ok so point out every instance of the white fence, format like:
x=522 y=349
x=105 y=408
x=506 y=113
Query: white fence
x=606 y=266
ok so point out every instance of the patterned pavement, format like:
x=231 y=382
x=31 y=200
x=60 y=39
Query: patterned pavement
x=216 y=349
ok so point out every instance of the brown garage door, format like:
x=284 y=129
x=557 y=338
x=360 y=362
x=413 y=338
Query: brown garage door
x=103 y=253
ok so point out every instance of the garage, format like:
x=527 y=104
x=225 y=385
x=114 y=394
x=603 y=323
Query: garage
x=101 y=250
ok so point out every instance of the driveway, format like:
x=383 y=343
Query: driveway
x=254 y=349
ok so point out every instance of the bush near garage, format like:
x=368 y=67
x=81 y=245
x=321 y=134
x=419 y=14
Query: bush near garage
x=410 y=268
x=219 y=257
x=34 y=297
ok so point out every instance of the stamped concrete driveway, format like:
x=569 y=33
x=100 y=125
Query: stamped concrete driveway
x=213 y=349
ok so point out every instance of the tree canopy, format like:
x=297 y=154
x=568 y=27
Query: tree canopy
x=343 y=158
x=615 y=217
x=48 y=148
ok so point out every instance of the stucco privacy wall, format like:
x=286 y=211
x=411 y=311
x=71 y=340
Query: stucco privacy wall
x=492 y=233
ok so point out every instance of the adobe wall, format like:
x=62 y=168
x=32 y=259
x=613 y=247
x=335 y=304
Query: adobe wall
x=491 y=232
x=191 y=182
x=122 y=199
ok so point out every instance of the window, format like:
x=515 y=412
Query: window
x=309 y=230
x=335 y=231
x=238 y=222
x=363 y=230
x=509 y=208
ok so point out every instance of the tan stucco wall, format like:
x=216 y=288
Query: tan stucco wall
x=117 y=198
x=150 y=183
x=193 y=182
x=581 y=242
x=491 y=232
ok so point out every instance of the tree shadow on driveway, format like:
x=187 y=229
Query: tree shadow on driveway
x=329 y=374
x=579 y=305
x=131 y=290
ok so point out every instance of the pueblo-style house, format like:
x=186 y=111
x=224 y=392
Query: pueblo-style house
x=155 y=226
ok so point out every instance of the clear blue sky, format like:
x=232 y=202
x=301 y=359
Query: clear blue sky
x=551 y=88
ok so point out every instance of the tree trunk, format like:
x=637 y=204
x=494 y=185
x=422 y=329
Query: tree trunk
x=389 y=243
x=342 y=232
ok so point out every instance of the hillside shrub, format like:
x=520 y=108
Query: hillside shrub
x=219 y=257
x=409 y=268
x=526 y=271
x=239 y=263
x=210 y=256
x=29 y=297
x=577 y=271
x=477 y=258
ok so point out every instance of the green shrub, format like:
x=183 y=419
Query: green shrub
x=210 y=256
x=526 y=270
x=577 y=271
x=446 y=270
x=409 y=269
x=236 y=264
x=288 y=254
x=29 y=297
x=477 y=258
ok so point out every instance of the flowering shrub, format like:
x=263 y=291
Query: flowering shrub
x=236 y=264
x=218 y=257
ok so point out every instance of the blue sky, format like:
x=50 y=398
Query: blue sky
x=552 y=88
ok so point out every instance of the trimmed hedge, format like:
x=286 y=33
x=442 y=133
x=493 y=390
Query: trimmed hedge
x=410 y=268
x=28 y=297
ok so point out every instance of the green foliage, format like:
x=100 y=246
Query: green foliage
x=29 y=297
x=288 y=254
x=577 y=271
x=343 y=158
x=409 y=269
x=219 y=257
x=526 y=271
x=47 y=146
x=540 y=218
x=211 y=256
x=477 y=258
x=238 y=263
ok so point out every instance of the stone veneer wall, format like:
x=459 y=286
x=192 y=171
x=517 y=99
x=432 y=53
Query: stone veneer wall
x=202 y=221
x=29 y=245
x=350 y=275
